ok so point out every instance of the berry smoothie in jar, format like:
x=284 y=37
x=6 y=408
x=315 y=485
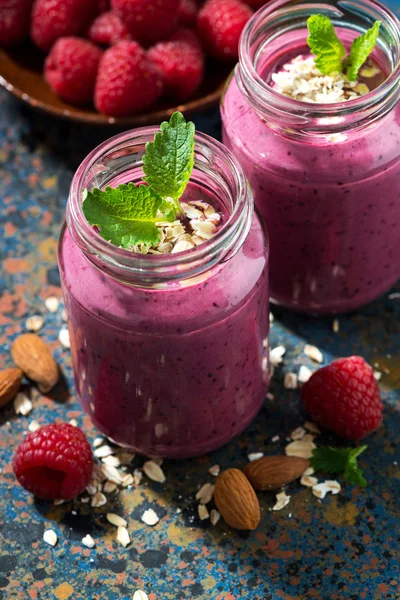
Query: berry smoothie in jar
x=166 y=288
x=321 y=148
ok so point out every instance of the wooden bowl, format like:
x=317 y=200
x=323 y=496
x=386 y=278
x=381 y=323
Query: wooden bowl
x=21 y=73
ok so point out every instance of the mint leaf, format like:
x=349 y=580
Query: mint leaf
x=329 y=460
x=169 y=159
x=352 y=472
x=325 y=45
x=360 y=49
x=125 y=215
x=339 y=460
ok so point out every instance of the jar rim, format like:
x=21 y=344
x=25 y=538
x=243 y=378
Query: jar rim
x=261 y=95
x=123 y=262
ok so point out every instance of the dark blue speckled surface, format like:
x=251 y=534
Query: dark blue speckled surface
x=345 y=547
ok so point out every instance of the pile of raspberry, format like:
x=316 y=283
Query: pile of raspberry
x=123 y=55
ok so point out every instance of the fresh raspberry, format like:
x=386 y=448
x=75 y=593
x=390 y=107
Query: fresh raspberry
x=107 y=30
x=127 y=82
x=148 y=20
x=54 y=462
x=14 y=21
x=187 y=12
x=181 y=65
x=189 y=36
x=52 y=19
x=71 y=69
x=220 y=23
x=344 y=397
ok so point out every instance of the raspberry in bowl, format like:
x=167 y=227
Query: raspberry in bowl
x=156 y=74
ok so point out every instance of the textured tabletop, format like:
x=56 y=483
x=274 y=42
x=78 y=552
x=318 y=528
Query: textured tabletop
x=344 y=547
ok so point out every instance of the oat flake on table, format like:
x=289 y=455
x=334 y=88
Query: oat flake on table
x=34 y=323
x=50 y=537
x=304 y=374
x=302 y=448
x=255 y=456
x=153 y=471
x=140 y=595
x=52 y=303
x=214 y=470
x=282 y=500
x=116 y=520
x=150 y=517
x=314 y=353
x=22 y=405
x=88 y=541
x=123 y=536
x=205 y=493
x=203 y=512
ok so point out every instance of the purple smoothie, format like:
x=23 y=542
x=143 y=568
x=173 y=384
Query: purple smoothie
x=174 y=372
x=331 y=205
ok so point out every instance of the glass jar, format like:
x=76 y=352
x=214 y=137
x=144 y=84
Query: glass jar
x=325 y=177
x=170 y=352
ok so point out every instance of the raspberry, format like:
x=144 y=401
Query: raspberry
x=189 y=36
x=127 y=82
x=54 y=462
x=344 y=397
x=220 y=23
x=148 y=20
x=107 y=30
x=187 y=12
x=181 y=65
x=52 y=19
x=71 y=69
x=14 y=21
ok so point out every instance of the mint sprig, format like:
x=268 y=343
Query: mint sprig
x=339 y=460
x=169 y=159
x=126 y=216
x=329 y=51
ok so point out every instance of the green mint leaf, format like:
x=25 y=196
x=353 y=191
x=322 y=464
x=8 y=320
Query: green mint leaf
x=352 y=472
x=339 y=460
x=125 y=215
x=329 y=460
x=169 y=159
x=360 y=49
x=325 y=45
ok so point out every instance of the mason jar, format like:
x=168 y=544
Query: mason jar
x=170 y=351
x=325 y=177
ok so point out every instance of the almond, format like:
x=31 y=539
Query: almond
x=272 y=472
x=236 y=500
x=35 y=359
x=10 y=382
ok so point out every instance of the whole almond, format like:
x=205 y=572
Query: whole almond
x=236 y=500
x=10 y=382
x=34 y=357
x=272 y=472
